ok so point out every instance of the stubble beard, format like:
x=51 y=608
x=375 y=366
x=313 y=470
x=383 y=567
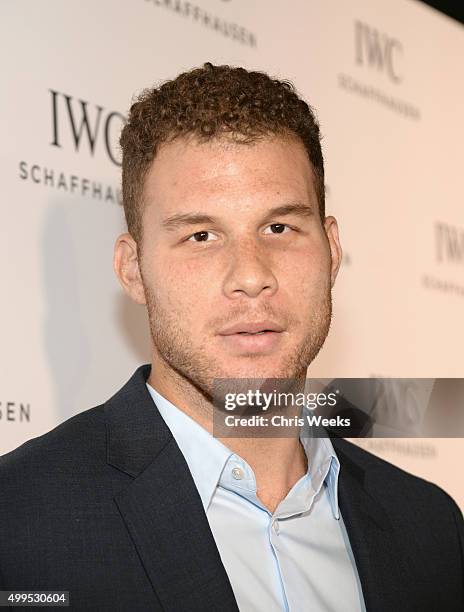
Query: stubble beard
x=196 y=366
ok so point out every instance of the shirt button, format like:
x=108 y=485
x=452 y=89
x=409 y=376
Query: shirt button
x=237 y=473
x=275 y=526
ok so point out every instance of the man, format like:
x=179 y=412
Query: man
x=135 y=505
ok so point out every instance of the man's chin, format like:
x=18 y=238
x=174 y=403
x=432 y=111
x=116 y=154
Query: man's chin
x=252 y=369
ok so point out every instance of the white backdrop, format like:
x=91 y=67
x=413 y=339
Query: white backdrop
x=386 y=79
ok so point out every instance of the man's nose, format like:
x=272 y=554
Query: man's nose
x=249 y=272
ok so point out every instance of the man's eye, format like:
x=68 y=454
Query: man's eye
x=201 y=237
x=278 y=228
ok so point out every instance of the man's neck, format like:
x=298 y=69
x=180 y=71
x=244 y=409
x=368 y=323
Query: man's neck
x=278 y=463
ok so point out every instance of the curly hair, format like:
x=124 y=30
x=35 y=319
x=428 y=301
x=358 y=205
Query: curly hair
x=210 y=102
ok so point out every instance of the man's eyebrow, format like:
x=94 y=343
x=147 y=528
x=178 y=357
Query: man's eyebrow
x=294 y=208
x=180 y=220
x=184 y=219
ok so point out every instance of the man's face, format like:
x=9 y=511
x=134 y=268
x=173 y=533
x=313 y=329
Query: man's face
x=221 y=262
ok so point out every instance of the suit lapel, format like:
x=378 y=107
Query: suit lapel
x=384 y=575
x=162 y=508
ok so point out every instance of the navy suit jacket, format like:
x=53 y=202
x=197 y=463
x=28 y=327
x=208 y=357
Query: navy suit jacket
x=104 y=506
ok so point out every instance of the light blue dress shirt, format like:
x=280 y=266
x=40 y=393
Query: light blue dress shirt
x=296 y=559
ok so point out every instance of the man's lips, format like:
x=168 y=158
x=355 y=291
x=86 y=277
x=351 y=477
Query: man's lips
x=253 y=337
x=249 y=327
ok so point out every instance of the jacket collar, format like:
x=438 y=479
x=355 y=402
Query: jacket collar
x=136 y=433
x=379 y=554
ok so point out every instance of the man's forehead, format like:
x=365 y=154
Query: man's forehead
x=222 y=151
x=186 y=167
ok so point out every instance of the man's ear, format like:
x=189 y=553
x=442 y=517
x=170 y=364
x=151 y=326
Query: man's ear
x=331 y=229
x=127 y=267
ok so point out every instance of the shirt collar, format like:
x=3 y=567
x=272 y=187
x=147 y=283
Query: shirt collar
x=324 y=464
x=206 y=456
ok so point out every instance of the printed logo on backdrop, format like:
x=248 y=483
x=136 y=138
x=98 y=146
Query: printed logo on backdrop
x=378 y=54
x=15 y=412
x=378 y=51
x=86 y=131
x=385 y=447
x=203 y=17
x=449 y=241
x=449 y=257
x=85 y=128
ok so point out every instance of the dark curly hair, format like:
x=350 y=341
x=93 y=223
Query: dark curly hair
x=208 y=102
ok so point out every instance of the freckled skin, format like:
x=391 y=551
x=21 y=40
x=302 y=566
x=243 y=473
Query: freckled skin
x=239 y=269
